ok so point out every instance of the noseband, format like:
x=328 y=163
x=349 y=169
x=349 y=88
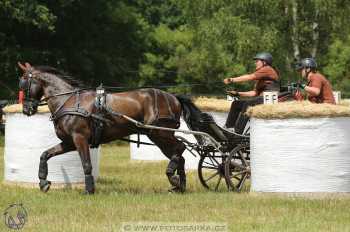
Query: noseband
x=30 y=104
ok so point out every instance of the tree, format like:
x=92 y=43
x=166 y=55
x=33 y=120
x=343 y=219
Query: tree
x=175 y=42
x=338 y=66
x=17 y=17
x=95 y=41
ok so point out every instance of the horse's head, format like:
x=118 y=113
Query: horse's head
x=32 y=88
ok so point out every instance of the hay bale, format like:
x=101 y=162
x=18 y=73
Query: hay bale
x=300 y=155
x=294 y=109
x=17 y=108
x=304 y=145
x=212 y=104
x=345 y=102
x=26 y=138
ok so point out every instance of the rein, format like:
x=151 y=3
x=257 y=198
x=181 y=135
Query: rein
x=63 y=94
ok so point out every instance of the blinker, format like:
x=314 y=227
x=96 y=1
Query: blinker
x=23 y=83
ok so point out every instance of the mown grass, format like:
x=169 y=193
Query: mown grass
x=130 y=191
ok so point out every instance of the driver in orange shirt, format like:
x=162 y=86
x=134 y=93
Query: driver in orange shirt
x=266 y=79
x=318 y=88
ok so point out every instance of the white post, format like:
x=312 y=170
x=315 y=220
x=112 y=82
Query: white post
x=337 y=96
x=270 y=97
x=229 y=98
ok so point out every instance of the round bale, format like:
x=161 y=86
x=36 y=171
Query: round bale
x=26 y=138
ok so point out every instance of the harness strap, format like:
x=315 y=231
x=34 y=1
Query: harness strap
x=71 y=111
x=138 y=142
x=156 y=111
x=77 y=100
x=159 y=117
x=101 y=118
x=53 y=115
x=65 y=93
x=169 y=107
x=109 y=110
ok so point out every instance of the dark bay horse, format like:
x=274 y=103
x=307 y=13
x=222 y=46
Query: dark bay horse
x=75 y=115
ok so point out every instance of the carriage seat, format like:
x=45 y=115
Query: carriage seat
x=208 y=125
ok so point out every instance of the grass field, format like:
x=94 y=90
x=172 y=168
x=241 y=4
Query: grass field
x=130 y=191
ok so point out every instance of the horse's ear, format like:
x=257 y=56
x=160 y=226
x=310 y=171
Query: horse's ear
x=22 y=66
x=28 y=66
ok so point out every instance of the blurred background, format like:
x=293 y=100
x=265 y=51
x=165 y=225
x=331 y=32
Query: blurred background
x=188 y=46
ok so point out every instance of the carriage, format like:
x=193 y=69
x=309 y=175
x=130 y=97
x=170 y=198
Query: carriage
x=224 y=157
x=224 y=163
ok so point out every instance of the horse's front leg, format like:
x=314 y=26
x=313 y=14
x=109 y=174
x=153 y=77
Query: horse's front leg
x=61 y=148
x=82 y=146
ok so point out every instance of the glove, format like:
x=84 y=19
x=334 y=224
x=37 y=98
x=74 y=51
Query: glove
x=298 y=85
x=232 y=93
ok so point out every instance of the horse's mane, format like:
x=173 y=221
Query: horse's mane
x=69 y=79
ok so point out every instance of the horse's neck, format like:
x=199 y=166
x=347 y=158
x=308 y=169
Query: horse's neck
x=53 y=86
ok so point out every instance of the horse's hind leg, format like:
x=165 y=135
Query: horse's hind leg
x=173 y=149
x=45 y=156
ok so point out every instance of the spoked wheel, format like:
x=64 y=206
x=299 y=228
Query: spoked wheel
x=237 y=168
x=211 y=171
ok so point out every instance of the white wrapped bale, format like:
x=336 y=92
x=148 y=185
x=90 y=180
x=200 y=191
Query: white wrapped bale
x=300 y=155
x=26 y=138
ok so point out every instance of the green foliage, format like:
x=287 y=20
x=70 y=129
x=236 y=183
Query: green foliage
x=338 y=66
x=28 y=12
x=175 y=42
x=217 y=47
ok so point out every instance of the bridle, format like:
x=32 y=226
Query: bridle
x=30 y=104
x=26 y=84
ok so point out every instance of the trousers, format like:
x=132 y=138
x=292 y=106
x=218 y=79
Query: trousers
x=237 y=117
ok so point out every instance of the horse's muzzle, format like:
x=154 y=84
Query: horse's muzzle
x=30 y=107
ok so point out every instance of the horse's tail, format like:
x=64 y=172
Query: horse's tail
x=190 y=112
x=196 y=120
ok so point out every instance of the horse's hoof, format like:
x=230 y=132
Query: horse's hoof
x=175 y=181
x=176 y=190
x=88 y=192
x=44 y=185
x=173 y=190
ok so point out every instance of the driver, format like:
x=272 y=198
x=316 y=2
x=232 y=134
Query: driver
x=266 y=79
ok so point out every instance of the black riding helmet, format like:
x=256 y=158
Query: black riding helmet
x=265 y=56
x=306 y=63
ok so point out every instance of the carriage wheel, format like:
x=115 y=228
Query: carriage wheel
x=237 y=168
x=211 y=171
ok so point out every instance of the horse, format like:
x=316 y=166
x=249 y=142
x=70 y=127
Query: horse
x=80 y=121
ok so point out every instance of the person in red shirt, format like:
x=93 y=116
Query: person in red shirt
x=318 y=88
x=266 y=79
